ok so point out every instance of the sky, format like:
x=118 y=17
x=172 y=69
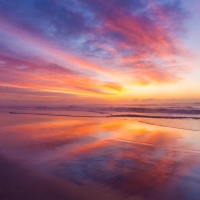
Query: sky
x=87 y=52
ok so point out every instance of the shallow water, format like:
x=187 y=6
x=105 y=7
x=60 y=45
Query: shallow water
x=131 y=158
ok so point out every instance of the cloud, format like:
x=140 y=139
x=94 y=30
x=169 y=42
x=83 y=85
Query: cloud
x=149 y=33
x=91 y=46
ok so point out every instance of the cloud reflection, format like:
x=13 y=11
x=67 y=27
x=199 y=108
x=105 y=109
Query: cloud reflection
x=131 y=157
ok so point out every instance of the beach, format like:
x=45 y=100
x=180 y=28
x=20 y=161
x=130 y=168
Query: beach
x=67 y=157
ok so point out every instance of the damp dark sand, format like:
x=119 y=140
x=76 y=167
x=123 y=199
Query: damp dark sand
x=19 y=182
x=61 y=157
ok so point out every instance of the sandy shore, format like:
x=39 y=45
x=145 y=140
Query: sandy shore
x=20 y=183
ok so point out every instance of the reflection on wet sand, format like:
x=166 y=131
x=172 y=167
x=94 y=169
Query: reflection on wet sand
x=130 y=157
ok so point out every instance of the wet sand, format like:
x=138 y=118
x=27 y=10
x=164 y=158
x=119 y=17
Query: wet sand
x=50 y=157
x=19 y=183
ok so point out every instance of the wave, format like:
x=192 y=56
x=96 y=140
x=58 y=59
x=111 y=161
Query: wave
x=156 y=116
x=120 y=115
x=192 y=109
x=58 y=115
x=169 y=110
